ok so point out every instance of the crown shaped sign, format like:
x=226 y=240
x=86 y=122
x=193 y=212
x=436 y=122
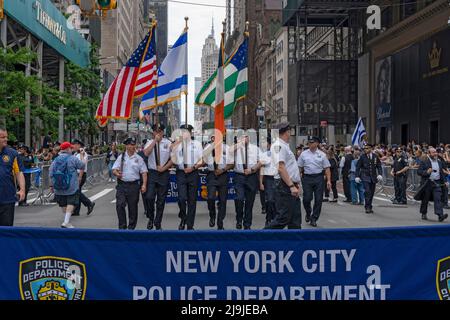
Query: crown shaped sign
x=435 y=56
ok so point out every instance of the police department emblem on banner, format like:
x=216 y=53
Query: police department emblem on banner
x=443 y=278
x=52 y=278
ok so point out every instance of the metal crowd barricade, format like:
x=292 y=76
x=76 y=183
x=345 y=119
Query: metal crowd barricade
x=43 y=184
x=96 y=168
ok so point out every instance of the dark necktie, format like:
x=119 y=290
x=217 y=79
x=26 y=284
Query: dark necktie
x=184 y=154
x=157 y=158
x=214 y=157
x=246 y=157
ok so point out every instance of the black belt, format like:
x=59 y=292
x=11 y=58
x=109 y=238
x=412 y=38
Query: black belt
x=181 y=170
x=128 y=182
x=241 y=174
x=313 y=175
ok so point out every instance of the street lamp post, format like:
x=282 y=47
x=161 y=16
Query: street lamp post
x=318 y=91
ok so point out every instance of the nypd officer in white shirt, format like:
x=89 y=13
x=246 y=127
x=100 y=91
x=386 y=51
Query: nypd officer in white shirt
x=287 y=182
x=158 y=152
x=187 y=155
x=217 y=158
x=248 y=162
x=129 y=169
x=267 y=183
x=312 y=164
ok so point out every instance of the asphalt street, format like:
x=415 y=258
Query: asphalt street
x=334 y=215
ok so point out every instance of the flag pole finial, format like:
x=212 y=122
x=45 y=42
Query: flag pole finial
x=247 y=26
x=186 y=26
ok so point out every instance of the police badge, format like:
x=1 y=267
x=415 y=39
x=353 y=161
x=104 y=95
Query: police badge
x=443 y=278
x=52 y=278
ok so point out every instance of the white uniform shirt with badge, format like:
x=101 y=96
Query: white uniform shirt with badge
x=254 y=155
x=194 y=153
x=224 y=160
x=164 y=153
x=133 y=167
x=268 y=168
x=281 y=152
x=85 y=160
x=313 y=162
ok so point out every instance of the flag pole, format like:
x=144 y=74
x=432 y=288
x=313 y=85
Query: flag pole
x=186 y=28
x=156 y=88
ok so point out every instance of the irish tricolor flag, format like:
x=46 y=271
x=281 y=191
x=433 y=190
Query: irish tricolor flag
x=235 y=82
x=219 y=120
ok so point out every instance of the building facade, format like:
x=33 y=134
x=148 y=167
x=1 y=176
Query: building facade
x=158 y=9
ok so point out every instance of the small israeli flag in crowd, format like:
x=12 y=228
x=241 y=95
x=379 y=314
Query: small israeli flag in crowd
x=358 y=135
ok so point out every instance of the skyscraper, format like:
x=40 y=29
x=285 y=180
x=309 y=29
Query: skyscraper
x=157 y=9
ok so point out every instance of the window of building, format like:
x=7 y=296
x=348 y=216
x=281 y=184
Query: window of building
x=280 y=67
x=407 y=8
x=279 y=87
x=386 y=18
x=280 y=48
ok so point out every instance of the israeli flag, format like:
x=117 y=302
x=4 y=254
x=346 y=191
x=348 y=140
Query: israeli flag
x=172 y=77
x=360 y=132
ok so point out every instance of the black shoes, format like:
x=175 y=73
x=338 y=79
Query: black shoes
x=424 y=217
x=158 y=228
x=443 y=217
x=91 y=208
x=368 y=211
x=347 y=200
x=212 y=222
x=247 y=228
x=220 y=228
x=150 y=225
x=239 y=226
x=313 y=223
x=307 y=219
x=182 y=225
x=325 y=200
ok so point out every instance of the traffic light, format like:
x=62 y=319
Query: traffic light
x=107 y=4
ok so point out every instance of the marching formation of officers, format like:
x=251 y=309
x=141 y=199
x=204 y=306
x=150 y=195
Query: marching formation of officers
x=275 y=171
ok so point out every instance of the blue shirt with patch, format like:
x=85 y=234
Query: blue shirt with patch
x=10 y=165
x=73 y=164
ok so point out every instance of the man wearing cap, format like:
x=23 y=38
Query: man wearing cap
x=11 y=174
x=187 y=155
x=267 y=182
x=399 y=169
x=312 y=164
x=345 y=164
x=217 y=158
x=158 y=152
x=81 y=154
x=287 y=182
x=129 y=169
x=66 y=195
x=248 y=162
x=369 y=171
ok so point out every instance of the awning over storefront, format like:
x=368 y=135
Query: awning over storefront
x=46 y=22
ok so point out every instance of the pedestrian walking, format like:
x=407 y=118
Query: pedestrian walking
x=369 y=172
x=11 y=176
x=286 y=181
x=399 y=170
x=129 y=169
x=345 y=164
x=159 y=163
x=83 y=156
x=312 y=164
x=356 y=189
x=66 y=173
x=267 y=183
x=187 y=155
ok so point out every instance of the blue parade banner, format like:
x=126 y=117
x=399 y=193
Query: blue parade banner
x=385 y=263
x=202 y=193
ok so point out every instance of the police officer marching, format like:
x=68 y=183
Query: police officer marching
x=248 y=162
x=217 y=158
x=369 y=171
x=267 y=183
x=158 y=152
x=312 y=164
x=129 y=169
x=287 y=183
x=187 y=155
x=399 y=171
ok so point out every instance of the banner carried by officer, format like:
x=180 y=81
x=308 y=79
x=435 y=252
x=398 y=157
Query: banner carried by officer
x=357 y=264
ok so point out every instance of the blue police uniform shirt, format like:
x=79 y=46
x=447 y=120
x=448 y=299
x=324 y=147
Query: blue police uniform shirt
x=313 y=162
x=74 y=165
x=10 y=165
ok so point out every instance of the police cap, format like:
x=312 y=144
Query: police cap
x=129 y=141
x=76 y=141
x=187 y=127
x=283 y=127
x=313 y=139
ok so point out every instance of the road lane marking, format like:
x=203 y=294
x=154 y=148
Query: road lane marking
x=332 y=221
x=377 y=198
x=100 y=194
x=114 y=201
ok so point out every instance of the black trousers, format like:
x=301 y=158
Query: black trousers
x=187 y=196
x=157 y=186
x=7 y=214
x=346 y=185
x=433 y=191
x=262 y=199
x=83 y=199
x=288 y=208
x=333 y=189
x=217 y=188
x=246 y=188
x=445 y=195
x=127 y=195
x=400 y=188
x=269 y=191
x=313 y=186
x=369 y=192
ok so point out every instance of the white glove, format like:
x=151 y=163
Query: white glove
x=380 y=178
x=358 y=180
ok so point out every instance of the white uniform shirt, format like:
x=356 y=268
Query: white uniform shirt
x=194 y=153
x=224 y=160
x=132 y=167
x=164 y=153
x=253 y=156
x=85 y=160
x=281 y=152
x=269 y=168
x=313 y=162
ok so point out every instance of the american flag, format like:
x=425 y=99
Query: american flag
x=118 y=100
